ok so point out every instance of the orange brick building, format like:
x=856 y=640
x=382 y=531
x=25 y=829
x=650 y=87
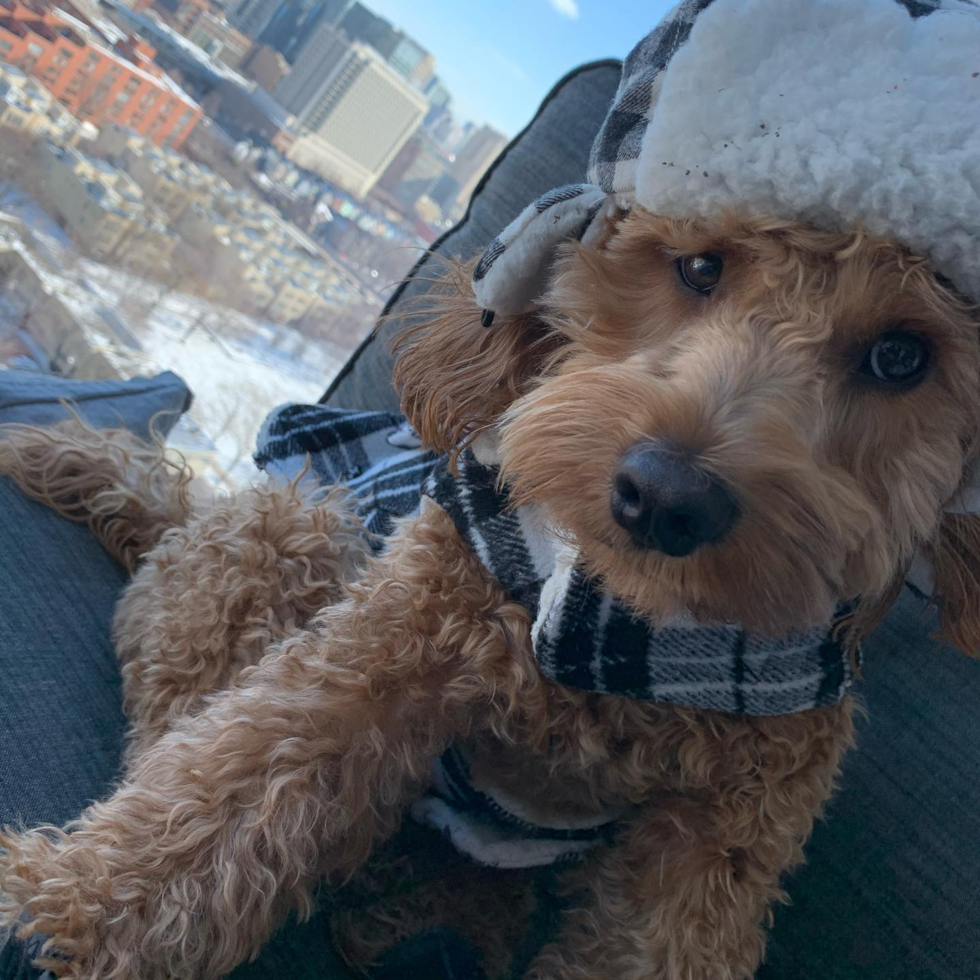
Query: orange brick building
x=96 y=83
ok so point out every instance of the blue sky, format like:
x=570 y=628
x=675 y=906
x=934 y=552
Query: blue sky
x=499 y=58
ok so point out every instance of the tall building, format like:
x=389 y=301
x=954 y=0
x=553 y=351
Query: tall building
x=295 y=22
x=96 y=83
x=402 y=52
x=413 y=61
x=253 y=16
x=282 y=25
x=358 y=112
x=475 y=156
x=313 y=71
x=364 y=25
x=436 y=93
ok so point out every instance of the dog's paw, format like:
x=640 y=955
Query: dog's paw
x=52 y=899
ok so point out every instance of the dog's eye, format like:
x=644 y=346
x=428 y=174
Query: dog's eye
x=701 y=272
x=897 y=357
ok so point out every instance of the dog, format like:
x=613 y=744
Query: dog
x=287 y=690
x=723 y=418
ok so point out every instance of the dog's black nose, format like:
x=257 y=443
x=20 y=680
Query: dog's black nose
x=666 y=502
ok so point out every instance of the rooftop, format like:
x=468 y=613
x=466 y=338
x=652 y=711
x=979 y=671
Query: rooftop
x=14 y=99
x=12 y=70
x=163 y=80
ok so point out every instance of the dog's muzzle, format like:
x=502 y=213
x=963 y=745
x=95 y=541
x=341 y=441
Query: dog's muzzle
x=667 y=503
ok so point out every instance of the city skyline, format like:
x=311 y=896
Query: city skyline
x=502 y=58
x=321 y=150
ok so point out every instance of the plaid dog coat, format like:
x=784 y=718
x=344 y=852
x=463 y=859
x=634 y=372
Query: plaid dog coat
x=582 y=636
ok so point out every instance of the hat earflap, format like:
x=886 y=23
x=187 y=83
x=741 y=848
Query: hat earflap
x=513 y=271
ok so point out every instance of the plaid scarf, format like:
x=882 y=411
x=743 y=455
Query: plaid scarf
x=583 y=637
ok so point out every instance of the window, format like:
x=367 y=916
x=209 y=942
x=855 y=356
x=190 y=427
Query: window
x=35 y=50
x=5 y=47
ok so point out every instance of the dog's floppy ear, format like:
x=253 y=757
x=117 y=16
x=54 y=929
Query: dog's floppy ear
x=456 y=376
x=955 y=558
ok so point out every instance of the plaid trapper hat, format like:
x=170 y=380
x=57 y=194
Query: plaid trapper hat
x=834 y=112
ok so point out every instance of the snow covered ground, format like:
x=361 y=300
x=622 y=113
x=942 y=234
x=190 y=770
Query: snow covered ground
x=238 y=367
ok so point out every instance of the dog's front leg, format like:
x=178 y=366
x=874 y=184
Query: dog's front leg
x=687 y=890
x=229 y=819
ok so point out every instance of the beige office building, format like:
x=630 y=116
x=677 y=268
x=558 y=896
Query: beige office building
x=356 y=111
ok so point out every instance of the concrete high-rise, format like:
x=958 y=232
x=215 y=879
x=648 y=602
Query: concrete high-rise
x=474 y=157
x=357 y=111
x=252 y=17
x=295 y=22
x=402 y=52
x=313 y=71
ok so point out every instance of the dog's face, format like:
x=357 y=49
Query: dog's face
x=746 y=421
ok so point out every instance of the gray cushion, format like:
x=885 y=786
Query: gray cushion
x=61 y=720
x=891 y=890
x=552 y=150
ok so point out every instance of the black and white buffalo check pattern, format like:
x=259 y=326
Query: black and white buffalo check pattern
x=612 y=162
x=376 y=455
x=583 y=637
x=513 y=270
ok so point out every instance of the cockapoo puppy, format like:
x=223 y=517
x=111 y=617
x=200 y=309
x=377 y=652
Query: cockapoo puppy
x=721 y=430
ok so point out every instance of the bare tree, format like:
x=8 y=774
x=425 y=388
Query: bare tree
x=240 y=407
x=346 y=326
